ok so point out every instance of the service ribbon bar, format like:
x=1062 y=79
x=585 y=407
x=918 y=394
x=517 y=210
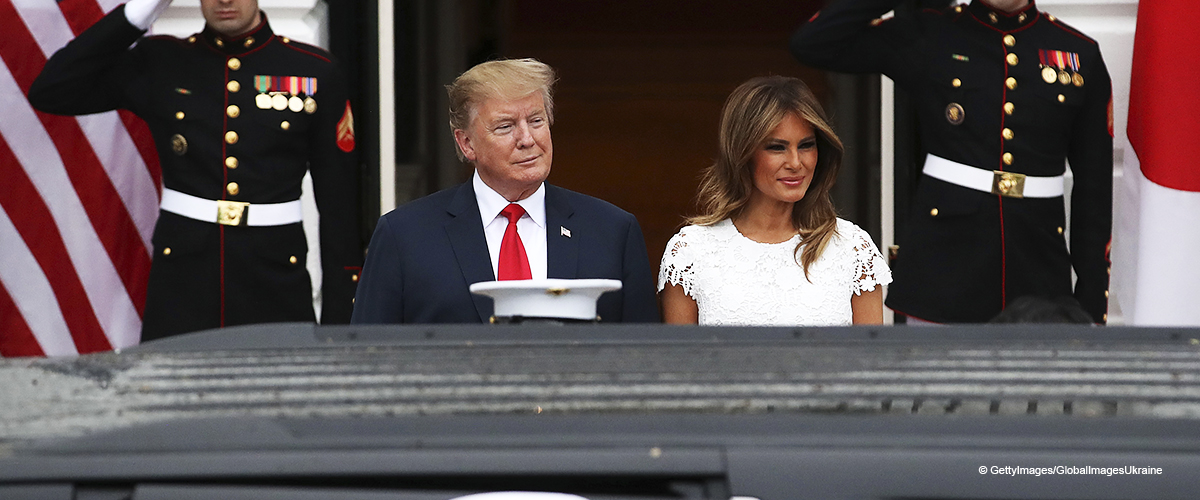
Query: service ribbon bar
x=294 y=85
x=1059 y=59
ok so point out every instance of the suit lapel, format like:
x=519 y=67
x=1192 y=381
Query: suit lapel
x=562 y=250
x=465 y=231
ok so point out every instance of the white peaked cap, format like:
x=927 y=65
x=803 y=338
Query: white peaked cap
x=549 y=298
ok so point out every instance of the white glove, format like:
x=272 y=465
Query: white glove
x=142 y=13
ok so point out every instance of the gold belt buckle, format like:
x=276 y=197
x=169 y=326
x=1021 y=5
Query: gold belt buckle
x=1010 y=184
x=231 y=213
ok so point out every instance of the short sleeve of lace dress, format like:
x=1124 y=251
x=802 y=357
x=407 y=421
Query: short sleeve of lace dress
x=870 y=269
x=677 y=261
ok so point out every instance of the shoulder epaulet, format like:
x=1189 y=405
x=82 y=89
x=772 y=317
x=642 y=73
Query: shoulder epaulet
x=949 y=11
x=168 y=38
x=311 y=50
x=1054 y=21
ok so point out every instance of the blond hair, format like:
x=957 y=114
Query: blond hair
x=506 y=79
x=750 y=114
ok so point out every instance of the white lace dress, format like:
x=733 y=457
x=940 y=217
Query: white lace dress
x=738 y=281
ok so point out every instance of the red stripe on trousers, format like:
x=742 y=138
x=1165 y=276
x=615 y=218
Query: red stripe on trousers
x=106 y=212
x=34 y=222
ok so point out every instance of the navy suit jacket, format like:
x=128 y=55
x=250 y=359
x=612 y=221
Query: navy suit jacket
x=425 y=254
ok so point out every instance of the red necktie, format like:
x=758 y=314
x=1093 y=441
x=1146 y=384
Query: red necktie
x=514 y=264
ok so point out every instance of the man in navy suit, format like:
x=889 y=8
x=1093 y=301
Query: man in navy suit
x=425 y=254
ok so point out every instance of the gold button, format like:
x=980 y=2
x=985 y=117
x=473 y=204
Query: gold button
x=179 y=115
x=1021 y=18
x=1011 y=83
x=285 y=125
x=167 y=251
x=957 y=8
x=286 y=39
x=231 y=162
x=220 y=43
x=992 y=17
x=1007 y=133
x=1008 y=108
x=1051 y=17
x=1104 y=317
x=956 y=83
x=231 y=137
x=1060 y=230
x=933 y=212
x=292 y=259
x=1110 y=270
x=1008 y=158
x=1106 y=293
x=191 y=39
x=354 y=277
x=235 y=64
x=249 y=42
x=232 y=188
x=1012 y=59
x=233 y=111
x=233 y=86
x=1062 y=98
x=1010 y=40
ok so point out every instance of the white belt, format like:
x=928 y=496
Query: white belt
x=1010 y=184
x=231 y=213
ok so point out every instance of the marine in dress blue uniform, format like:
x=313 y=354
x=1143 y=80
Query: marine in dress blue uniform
x=237 y=121
x=1004 y=100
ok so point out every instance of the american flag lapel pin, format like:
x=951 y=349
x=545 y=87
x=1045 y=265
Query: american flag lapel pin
x=562 y=231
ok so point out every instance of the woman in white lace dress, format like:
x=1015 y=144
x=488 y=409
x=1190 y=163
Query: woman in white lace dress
x=768 y=247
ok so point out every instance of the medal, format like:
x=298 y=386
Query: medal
x=1049 y=75
x=1077 y=79
x=179 y=144
x=1064 y=77
x=279 y=102
x=310 y=105
x=295 y=104
x=263 y=101
x=955 y=113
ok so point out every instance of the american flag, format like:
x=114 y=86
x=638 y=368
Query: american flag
x=78 y=201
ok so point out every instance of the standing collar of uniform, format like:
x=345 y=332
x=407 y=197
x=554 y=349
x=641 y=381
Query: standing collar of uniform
x=491 y=203
x=1003 y=21
x=254 y=39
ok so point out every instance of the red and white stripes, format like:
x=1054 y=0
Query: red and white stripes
x=78 y=201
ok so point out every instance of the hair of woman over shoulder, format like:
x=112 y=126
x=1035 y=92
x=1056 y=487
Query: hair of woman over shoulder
x=749 y=116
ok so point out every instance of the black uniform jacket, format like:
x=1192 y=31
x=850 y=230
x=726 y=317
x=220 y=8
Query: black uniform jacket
x=983 y=99
x=425 y=254
x=198 y=96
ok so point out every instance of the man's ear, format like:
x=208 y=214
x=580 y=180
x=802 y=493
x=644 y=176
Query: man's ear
x=464 y=144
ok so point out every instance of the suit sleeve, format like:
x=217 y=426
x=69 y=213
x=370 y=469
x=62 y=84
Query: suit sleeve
x=93 y=72
x=846 y=37
x=1091 y=159
x=380 y=294
x=637 y=284
x=334 y=166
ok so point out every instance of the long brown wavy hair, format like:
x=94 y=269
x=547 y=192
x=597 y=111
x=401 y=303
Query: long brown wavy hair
x=750 y=114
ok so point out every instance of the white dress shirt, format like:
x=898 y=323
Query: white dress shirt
x=531 y=226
